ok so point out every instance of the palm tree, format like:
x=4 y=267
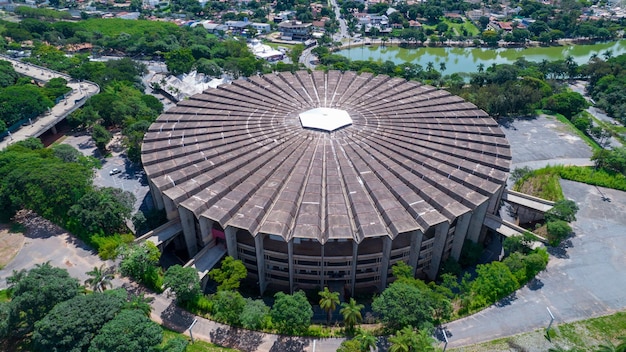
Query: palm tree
x=409 y=340
x=366 y=340
x=607 y=54
x=351 y=313
x=430 y=66
x=481 y=67
x=328 y=302
x=99 y=279
x=442 y=66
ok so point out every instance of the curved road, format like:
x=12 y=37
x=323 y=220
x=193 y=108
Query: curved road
x=75 y=99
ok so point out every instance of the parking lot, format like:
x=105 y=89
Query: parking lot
x=131 y=177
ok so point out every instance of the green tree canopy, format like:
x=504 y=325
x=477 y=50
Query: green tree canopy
x=494 y=281
x=567 y=103
x=229 y=275
x=103 y=210
x=228 y=306
x=129 y=331
x=35 y=293
x=563 y=209
x=140 y=261
x=184 y=282
x=403 y=304
x=409 y=340
x=72 y=324
x=254 y=314
x=291 y=313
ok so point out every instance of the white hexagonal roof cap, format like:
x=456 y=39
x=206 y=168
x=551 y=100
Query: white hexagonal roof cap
x=325 y=119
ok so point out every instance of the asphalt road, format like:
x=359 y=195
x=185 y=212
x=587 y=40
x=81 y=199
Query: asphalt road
x=584 y=278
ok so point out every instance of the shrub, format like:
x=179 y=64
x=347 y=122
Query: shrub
x=557 y=231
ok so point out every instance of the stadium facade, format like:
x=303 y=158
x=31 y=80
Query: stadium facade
x=319 y=179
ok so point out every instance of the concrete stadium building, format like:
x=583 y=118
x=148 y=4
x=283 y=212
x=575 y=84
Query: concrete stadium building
x=327 y=179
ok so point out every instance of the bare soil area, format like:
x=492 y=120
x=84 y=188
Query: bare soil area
x=10 y=244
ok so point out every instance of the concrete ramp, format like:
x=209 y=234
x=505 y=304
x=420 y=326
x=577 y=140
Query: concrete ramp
x=506 y=228
x=205 y=260
x=527 y=201
x=163 y=235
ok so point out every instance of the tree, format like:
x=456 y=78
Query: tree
x=402 y=270
x=140 y=261
x=563 y=209
x=295 y=53
x=183 y=281
x=520 y=244
x=494 y=281
x=228 y=306
x=558 y=230
x=366 y=340
x=101 y=136
x=567 y=103
x=66 y=152
x=408 y=340
x=229 y=275
x=140 y=303
x=103 y=210
x=328 y=302
x=99 y=278
x=291 y=313
x=35 y=293
x=351 y=312
x=254 y=314
x=72 y=324
x=179 y=61
x=129 y=331
x=403 y=304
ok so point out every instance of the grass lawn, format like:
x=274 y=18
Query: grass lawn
x=472 y=30
x=584 y=335
x=197 y=346
x=542 y=183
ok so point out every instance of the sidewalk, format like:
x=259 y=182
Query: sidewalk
x=166 y=313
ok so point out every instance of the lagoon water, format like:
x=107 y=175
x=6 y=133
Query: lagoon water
x=467 y=59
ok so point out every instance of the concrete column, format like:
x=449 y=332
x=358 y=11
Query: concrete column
x=188 y=221
x=322 y=268
x=416 y=246
x=260 y=261
x=231 y=241
x=384 y=264
x=206 y=232
x=170 y=208
x=441 y=236
x=157 y=197
x=476 y=222
x=355 y=259
x=291 y=264
x=462 y=224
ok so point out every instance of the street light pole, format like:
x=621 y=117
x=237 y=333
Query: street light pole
x=191 y=327
x=549 y=325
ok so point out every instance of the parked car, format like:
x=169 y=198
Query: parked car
x=114 y=172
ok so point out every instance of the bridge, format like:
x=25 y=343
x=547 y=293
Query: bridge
x=73 y=100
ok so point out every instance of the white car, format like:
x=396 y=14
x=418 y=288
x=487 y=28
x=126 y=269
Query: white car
x=114 y=172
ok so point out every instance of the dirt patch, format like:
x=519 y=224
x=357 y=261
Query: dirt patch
x=10 y=244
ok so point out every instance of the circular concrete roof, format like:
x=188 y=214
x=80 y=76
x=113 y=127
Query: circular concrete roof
x=414 y=156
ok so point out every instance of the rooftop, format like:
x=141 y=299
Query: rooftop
x=413 y=157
